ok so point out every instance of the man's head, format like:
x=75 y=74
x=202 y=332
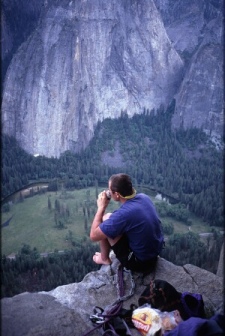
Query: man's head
x=121 y=184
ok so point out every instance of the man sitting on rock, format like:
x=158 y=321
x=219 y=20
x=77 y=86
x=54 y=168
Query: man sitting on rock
x=133 y=231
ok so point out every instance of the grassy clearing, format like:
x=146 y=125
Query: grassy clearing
x=198 y=226
x=33 y=222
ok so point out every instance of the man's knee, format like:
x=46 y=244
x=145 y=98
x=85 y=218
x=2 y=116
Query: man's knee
x=106 y=216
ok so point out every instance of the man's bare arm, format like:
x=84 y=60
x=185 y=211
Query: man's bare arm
x=96 y=233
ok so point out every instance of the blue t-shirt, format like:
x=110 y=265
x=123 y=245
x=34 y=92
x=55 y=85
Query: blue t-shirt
x=138 y=219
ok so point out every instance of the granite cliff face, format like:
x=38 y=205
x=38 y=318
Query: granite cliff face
x=200 y=44
x=89 y=60
x=66 y=309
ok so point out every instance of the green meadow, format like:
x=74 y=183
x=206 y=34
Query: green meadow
x=33 y=221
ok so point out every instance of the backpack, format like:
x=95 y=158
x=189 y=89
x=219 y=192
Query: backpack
x=163 y=296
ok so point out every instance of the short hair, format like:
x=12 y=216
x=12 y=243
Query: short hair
x=122 y=184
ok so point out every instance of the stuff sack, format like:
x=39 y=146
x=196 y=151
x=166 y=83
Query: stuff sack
x=163 y=296
x=192 y=305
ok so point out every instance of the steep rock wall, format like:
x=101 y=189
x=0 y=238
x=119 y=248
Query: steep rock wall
x=89 y=60
x=85 y=62
x=199 y=101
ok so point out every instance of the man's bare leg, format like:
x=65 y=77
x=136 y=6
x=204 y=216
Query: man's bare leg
x=102 y=257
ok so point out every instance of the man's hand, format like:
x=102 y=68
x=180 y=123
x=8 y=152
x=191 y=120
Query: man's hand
x=102 y=201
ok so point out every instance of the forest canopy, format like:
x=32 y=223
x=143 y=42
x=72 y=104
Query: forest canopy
x=184 y=164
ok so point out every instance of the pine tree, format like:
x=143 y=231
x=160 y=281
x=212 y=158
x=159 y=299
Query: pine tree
x=49 y=203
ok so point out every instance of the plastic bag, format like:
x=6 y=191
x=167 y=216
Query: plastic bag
x=147 y=321
x=153 y=322
x=170 y=320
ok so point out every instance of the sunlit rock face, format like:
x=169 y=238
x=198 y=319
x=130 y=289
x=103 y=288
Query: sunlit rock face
x=86 y=61
x=89 y=60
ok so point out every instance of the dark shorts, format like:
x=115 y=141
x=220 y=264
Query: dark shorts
x=127 y=258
